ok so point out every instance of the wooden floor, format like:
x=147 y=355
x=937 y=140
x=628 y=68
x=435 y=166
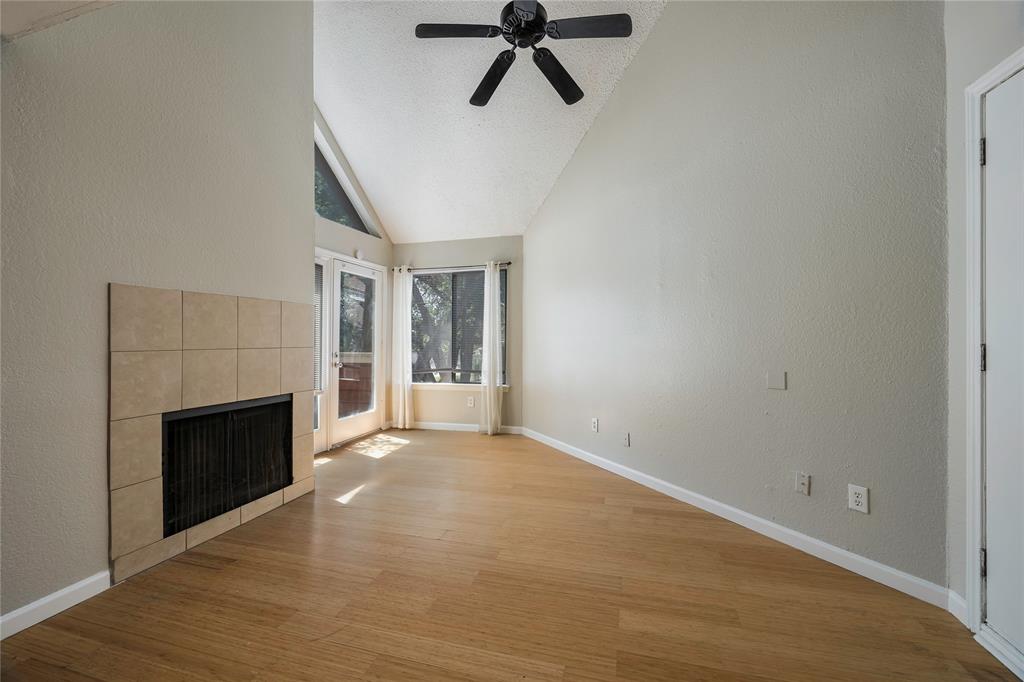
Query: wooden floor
x=454 y=556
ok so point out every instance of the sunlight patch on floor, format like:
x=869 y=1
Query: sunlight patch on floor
x=378 y=446
x=347 y=497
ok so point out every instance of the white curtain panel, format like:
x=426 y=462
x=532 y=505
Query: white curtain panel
x=490 y=413
x=401 y=350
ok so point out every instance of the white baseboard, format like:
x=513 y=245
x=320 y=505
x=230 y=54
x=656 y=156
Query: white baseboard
x=52 y=604
x=957 y=606
x=447 y=426
x=894 y=578
x=1001 y=649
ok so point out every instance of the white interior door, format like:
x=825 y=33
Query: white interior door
x=1003 y=178
x=355 y=367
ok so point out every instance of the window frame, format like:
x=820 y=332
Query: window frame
x=452 y=385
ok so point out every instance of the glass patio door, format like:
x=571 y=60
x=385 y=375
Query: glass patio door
x=355 y=371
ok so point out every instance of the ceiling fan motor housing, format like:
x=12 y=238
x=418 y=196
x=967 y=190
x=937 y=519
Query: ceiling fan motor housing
x=520 y=30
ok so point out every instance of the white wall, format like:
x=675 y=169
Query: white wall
x=763 y=190
x=449 y=405
x=164 y=144
x=979 y=35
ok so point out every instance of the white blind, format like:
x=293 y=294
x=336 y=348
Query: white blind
x=318 y=305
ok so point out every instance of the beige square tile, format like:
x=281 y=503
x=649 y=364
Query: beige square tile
x=136 y=450
x=259 y=372
x=298 y=489
x=147 y=557
x=211 y=528
x=261 y=506
x=136 y=516
x=144 y=383
x=302 y=413
x=209 y=321
x=296 y=369
x=208 y=377
x=143 y=318
x=296 y=325
x=302 y=457
x=259 y=323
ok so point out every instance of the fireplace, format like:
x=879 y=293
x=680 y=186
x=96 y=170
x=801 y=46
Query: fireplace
x=211 y=417
x=221 y=457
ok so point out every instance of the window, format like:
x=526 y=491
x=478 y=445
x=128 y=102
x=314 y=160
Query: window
x=318 y=346
x=330 y=199
x=447 y=326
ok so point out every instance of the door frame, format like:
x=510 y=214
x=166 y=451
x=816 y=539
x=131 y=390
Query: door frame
x=327 y=258
x=974 y=97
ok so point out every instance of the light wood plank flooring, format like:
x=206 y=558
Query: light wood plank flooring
x=453 y=556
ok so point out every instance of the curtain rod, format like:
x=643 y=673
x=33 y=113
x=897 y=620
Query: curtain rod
x=503 y=264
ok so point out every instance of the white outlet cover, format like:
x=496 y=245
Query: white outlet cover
x=802 y=483
x=471 y=401
x=775 y=379
x=857 y=498
x=594 y=424
x=625 y=439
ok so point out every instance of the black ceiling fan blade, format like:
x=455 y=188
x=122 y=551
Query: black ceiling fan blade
x=525 y=9
x=492 y=78
x=557 y=75
x=456 y=31
x=602 y=26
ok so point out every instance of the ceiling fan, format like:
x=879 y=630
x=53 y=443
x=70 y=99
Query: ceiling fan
x=524 y=23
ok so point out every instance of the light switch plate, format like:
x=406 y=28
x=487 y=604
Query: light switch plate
x=775 y=379
x=802 y=483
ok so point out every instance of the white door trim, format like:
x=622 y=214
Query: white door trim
x=974 y=98
x=384 y=301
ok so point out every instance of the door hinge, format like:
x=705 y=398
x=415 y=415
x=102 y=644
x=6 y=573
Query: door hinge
x=984 y=563
x=981 y=154
x=984 y=358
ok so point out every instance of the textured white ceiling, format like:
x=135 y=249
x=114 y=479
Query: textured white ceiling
x=433 y=166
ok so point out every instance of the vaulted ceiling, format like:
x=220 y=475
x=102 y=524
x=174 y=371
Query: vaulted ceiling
x=433 y=166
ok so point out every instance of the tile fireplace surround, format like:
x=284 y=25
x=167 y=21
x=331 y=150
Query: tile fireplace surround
x=172 y=350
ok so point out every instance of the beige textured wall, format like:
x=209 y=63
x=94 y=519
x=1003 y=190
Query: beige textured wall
x=449 y=406
x=764 y=190
x=979 y=35
x=163 y=144
x=346 y=241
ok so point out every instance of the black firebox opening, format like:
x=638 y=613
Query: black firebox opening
x=220 y=457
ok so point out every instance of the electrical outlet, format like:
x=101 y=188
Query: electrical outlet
x=802 y=483
x=625 y=439
x=471 y=401
x=857 y=498
x=593 y=424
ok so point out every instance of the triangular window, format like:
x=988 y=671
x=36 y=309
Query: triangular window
x=330 y=198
